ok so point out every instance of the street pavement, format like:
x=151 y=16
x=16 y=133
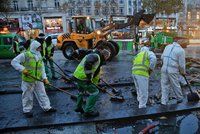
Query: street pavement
x=119 y=69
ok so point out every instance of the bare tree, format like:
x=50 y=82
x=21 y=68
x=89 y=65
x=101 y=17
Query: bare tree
x=39 y=10
x=5 y=9
x=110 y=7
x=65 y=7
x=163 y=6
x=97 y=5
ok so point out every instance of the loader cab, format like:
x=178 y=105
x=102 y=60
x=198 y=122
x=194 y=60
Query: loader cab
x=82 y=24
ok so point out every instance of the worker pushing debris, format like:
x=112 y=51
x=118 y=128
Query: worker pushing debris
x=173 y=59
x=30 y=63
x=87 y=75
x=143 y=64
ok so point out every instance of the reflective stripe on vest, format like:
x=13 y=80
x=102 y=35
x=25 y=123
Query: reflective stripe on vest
x=80 y=71
x=43 y=48
x=17 y=47
x=49 y=50
x=95 y=80
x=152 y=38
x=141 y=64
x=34 y=67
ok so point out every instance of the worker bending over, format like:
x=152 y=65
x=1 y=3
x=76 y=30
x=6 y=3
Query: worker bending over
x=86 y=75
x=143 y=64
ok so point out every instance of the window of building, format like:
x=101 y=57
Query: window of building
x=130 y=2
x=88 y=1
x=88 y=11
x=79 y=11
x=121 y=1
x=121 y=10
x=130 y=10
x=71 y=12
x=113 y=11
x=105 y=11
x=189 y=15
x=15 y=5
x=96 y=12
x=198 y=15
x=105 y=1
x=30 y=4
x=57 y=4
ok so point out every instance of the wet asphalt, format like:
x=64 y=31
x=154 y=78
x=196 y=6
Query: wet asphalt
x=119 y=68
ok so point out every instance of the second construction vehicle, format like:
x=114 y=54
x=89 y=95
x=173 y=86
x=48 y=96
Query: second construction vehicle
x=82 y=34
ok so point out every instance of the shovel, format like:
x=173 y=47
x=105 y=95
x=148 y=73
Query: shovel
x=68 y=93
x=115 y=91
x=113 y=97
x=59 y=68
x=63 y=76
x=192 y=96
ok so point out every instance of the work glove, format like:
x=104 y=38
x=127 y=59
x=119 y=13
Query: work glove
x=50 y=58
x=182 y=73
x=25 y=72
x=46 y=82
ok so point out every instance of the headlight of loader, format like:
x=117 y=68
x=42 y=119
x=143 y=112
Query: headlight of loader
x=98 y=32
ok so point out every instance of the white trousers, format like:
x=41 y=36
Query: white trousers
x=170 y=81
x=27 y=96
x=142 y=86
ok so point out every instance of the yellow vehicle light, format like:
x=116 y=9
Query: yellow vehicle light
x=98 y=32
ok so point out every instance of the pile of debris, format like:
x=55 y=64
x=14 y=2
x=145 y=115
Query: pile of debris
x=193 y=70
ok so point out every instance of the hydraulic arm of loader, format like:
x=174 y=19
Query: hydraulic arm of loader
x=132 y=20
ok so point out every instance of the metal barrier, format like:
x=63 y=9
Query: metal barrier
x=125 y=44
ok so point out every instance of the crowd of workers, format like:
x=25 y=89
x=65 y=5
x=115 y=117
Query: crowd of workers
x=34 y=61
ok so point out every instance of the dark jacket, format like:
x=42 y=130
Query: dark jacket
x=92 y=59
x=41 y=41
x=48 y=43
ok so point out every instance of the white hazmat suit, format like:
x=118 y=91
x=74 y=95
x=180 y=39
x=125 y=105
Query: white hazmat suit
x=142 y=82
x=173 y=59
x=36 y=87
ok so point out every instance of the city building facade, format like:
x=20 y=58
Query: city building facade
x=51 y=16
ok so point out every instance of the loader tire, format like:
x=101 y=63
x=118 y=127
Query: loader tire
x=116 y=46
x=68 y=49
x=108 y=46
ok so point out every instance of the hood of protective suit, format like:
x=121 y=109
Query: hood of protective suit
x=34 y=45
x=144 y=49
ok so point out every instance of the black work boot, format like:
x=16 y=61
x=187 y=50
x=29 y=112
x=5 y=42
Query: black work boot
x=51 y=110
x=91 y=114
x=79 y=110
x=28 y=114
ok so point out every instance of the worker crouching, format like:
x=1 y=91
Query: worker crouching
x=143 y=64
x=87 y=75
x=30 y=64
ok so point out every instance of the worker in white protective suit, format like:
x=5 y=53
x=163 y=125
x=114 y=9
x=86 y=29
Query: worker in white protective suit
x=30 y=64
x=143 y=64
x=173 y=59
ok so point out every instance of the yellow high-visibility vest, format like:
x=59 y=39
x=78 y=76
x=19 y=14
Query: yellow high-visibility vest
x=141 y=64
